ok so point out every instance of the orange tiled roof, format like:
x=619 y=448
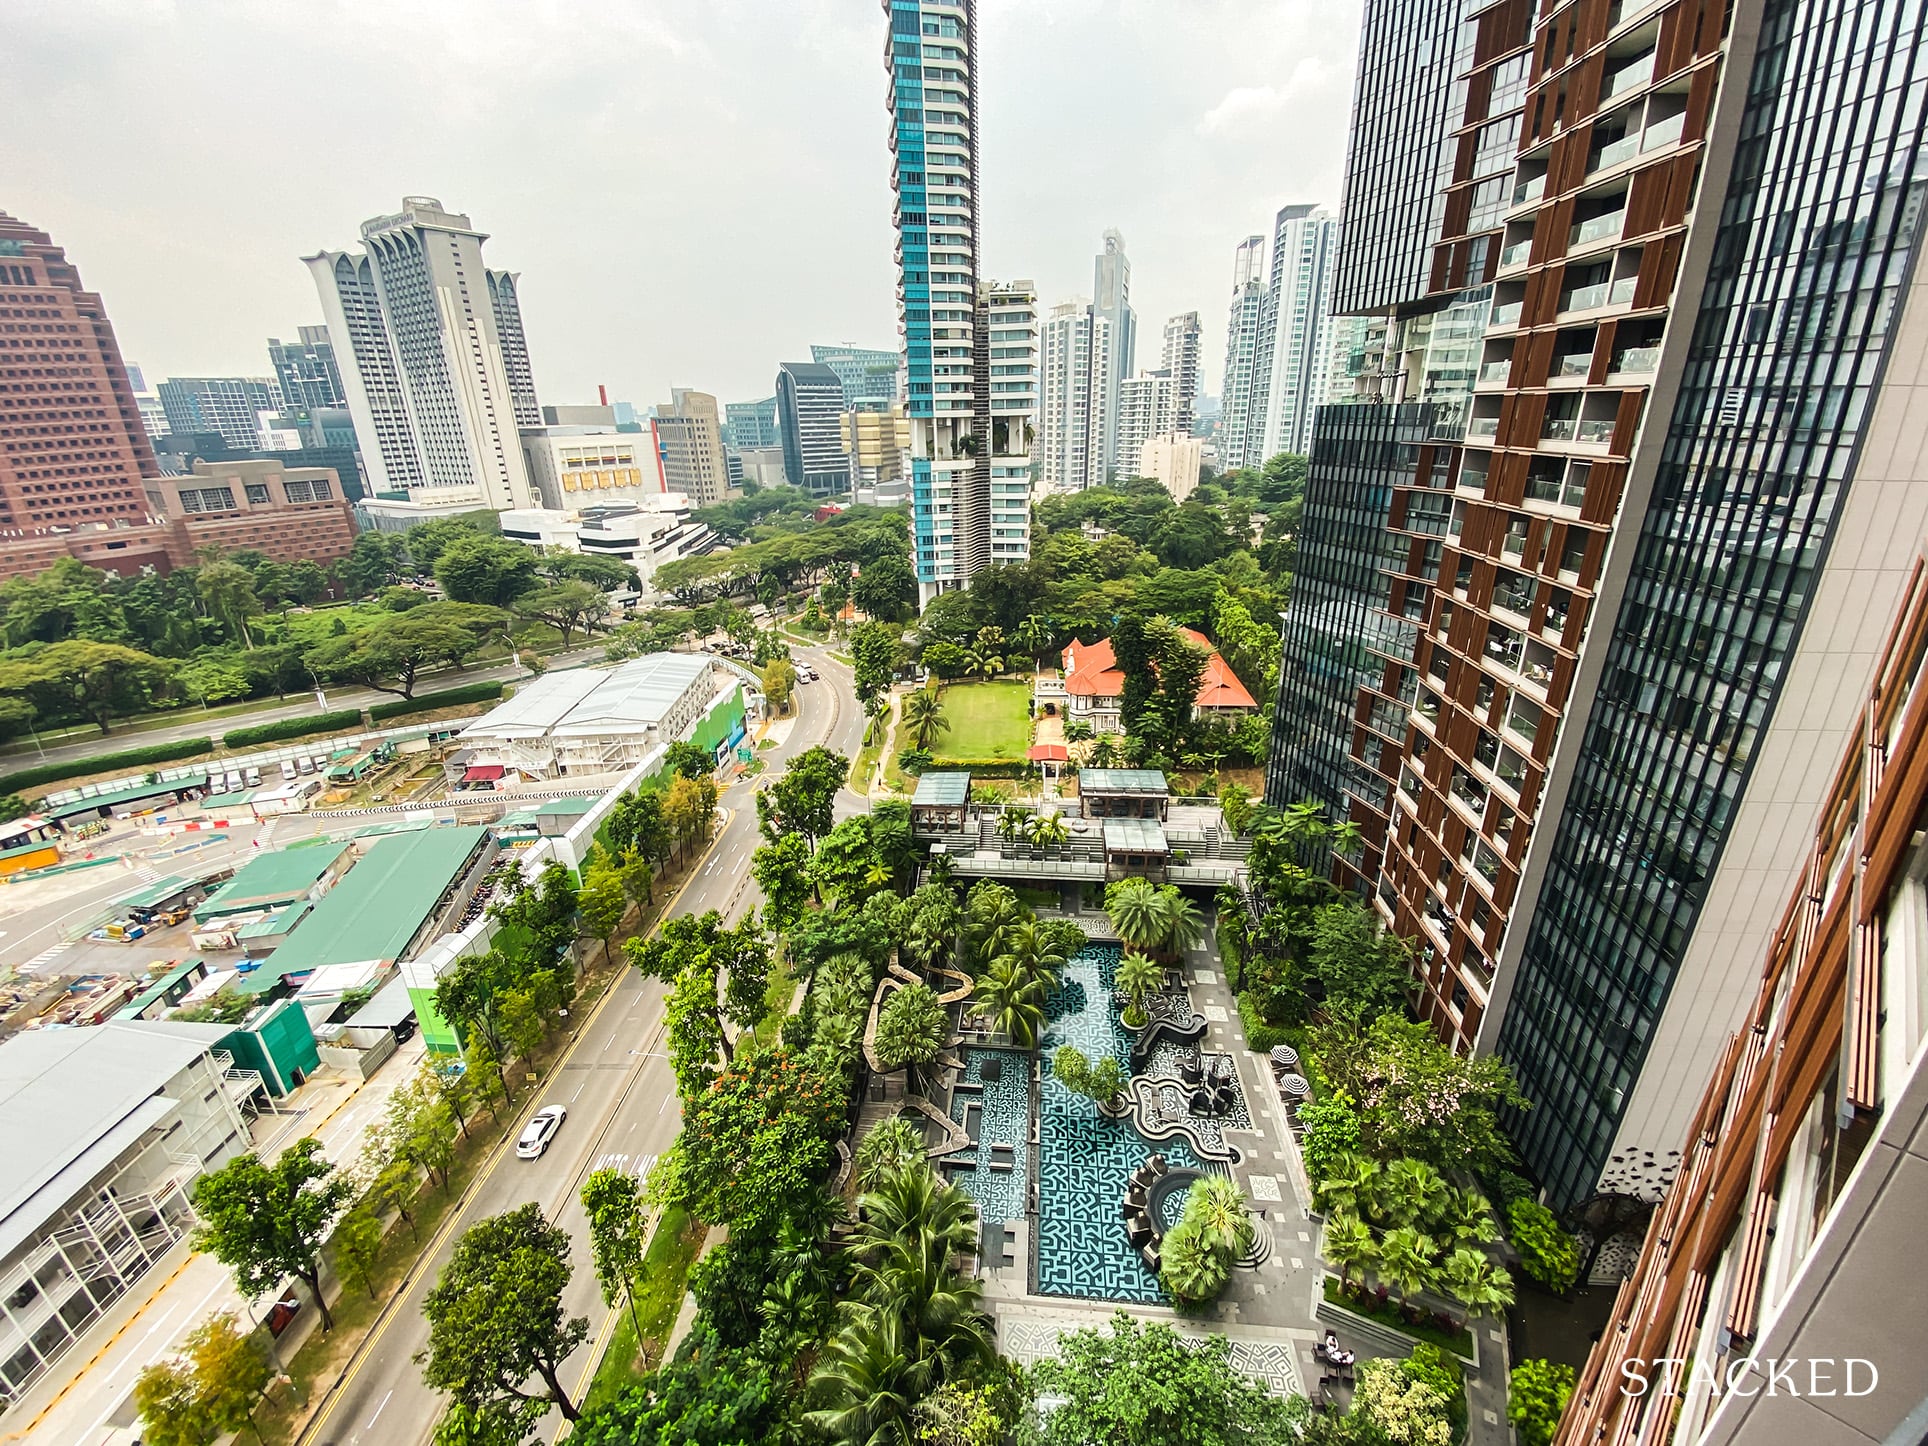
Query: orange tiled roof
x=1091 y=670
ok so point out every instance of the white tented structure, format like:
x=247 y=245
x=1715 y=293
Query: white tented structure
x=589 y=720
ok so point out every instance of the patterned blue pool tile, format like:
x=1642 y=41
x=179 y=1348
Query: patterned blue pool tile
x=1006 y=1119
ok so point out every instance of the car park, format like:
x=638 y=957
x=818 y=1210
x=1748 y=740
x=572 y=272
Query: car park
x=540 y=1130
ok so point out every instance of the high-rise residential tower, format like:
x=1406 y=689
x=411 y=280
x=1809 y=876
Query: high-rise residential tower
x=1242 y=343
x=76 y=455
x=869 y=376
x=1180 y=363
x=1075 y=396
x=430 y=346
x=231 y=406
x=809 y=409
x=1578 y=625
x=1147 y=408
x=1111 y=299
x=1289 y=377
x=970 y=347
x=309 y=376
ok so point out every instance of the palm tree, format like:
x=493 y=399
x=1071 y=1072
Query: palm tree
x=983 y=662
x=1012 y=824
x=1104 y=753
x=1030 y=950
x=1138 y=975
x=1349 y=1244
x=1034 y=635
x=911 y=1227
x=924 y=718
x=1216 y=1208
x=870 y=1381
x=1181 y=926
x=1191 y=1267
x=1468 y=1220
x=1476 y=1283
x=1413 y=1192
x=1406 y=1261
x=1012 y=1000
x=1351 y=1185
x=1133 y=908
x=985 y=927
x=1047 y=829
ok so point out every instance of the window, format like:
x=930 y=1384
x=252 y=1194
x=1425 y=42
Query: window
x=207 y=499
x=257 y=494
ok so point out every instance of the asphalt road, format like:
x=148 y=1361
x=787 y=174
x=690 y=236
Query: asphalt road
x=25 y=755
x=621 y=1097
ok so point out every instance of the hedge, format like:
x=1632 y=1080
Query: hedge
x=982 y=767
x=1258 y=1034
x=447 y=698
x=106 y=763
x=293 y=728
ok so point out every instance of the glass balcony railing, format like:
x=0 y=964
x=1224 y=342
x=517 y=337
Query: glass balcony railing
x=1483 y=429
x=1507 y=313
x=1663 y=132
x=1596 y=432
x=1513 y=599
x=1470 y=480
x=1529 y=190
x=1600 y=228
x=1628 y=76
x=1573 y=364
x=1555 y=491
x=1515 y=255
x=1614 y=152
x=1558 y=429
x=1585 y=298
x=1621 y=292
x=1636 y=360
x=1494 y=373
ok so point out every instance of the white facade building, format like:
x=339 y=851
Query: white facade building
x=645 y=535
x=432 y=355
x=1183 y=339
x=1008 y=315
x=1174 y=460
x=1293 y=358
x=572 y=467
x=1076 y=361
x=104 y=1131
x=1147 y=408
x=1241 y=351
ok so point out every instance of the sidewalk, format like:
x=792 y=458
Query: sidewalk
x=87 y=1395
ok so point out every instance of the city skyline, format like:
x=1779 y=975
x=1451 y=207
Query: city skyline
x=632 y=304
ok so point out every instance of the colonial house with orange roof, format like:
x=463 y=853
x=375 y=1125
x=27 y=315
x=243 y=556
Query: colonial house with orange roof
x=1094 y=686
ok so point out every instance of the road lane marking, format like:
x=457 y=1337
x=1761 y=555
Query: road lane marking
x=378 y=1412
x=665 y=1104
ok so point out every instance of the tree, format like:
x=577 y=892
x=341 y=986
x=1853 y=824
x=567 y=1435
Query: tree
x=1012 y=999
x=172 y=1413
x=602 y=901
x=876 y=653
x=870 y=1381
x=1349 y=1244
x=715 y=1397
x=690 y=760
x=1179 y=923
x=911 y=1027
x=227 y=593
x=618 y=1236
x=1098 y=1082
x=231 y=1370
x=1191 y=1268
x=495 y=1316
x=1415 y=1096
x=1536 y=1398
x=1472 y=1279
x=1145 y=1385
x=1547 y=1253
x=1405 y=1410
x=779 y=683
x=689 y=809
x=923 y=718
x=96 y=680
x=358 y=1246
x=1366 y=970
x=803 y=798
x=477 y=568
x=1331 y=1134
x=565 y=606
x=1216 y=1207
x=888 y=1146
x=388 y=654
x=1137 y=978
x=1406 y=1260
x=1132 y=907
x=886 y=589
x=1235 y=804
x=266 y=1222
x=782 y=873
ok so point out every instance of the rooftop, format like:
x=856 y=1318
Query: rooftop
x=1091 y=670
x=942 y=790
x=1122 y=780
x=586 y=701
x=131 y=793
x=1135 y=835
x=377 y=908
x=270 y=879
x=72 y=1099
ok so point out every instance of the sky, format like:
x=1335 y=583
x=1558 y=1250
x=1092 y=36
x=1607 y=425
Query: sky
x=692 y=190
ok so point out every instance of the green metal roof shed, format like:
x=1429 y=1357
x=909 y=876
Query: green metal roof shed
x=133 y=793
x=942 y=790
x=270 y=880
x=378 y=908
x=1122 y=780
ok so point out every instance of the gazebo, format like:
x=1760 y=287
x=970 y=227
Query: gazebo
x=1124 y=793
x=941 y=802
x=1050 y=758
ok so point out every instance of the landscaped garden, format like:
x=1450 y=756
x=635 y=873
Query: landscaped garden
x=988 y=721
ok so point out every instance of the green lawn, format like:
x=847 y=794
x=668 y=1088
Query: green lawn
x=988 y=720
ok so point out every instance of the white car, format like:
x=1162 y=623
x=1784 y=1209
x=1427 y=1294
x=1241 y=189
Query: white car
x=540 y=1130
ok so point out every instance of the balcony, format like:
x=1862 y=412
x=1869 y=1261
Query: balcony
x=1636 y=361
x=1507 y=314
x=1628 y=76
x=1614 y=152
x=1514 y=599
x=1603 y=293
x=1558 y=429
x=1599 y=228
x=1573 y=364
x=1595 y=432
x=1529 y=190
x=1516 y=254
x=1621 y=292
x=1493 y=374
x=1482 y=429
x=1663 y=132
x=1554 y=490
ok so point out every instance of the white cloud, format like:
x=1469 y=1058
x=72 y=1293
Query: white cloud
x=1244 y=106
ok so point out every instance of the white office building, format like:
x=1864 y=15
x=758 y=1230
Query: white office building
x=1075 y=366
x=1173 y=460
x=574 y=467
x=432 y=355
x=644 y=534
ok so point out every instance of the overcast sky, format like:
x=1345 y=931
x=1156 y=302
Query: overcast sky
x=693 y=190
